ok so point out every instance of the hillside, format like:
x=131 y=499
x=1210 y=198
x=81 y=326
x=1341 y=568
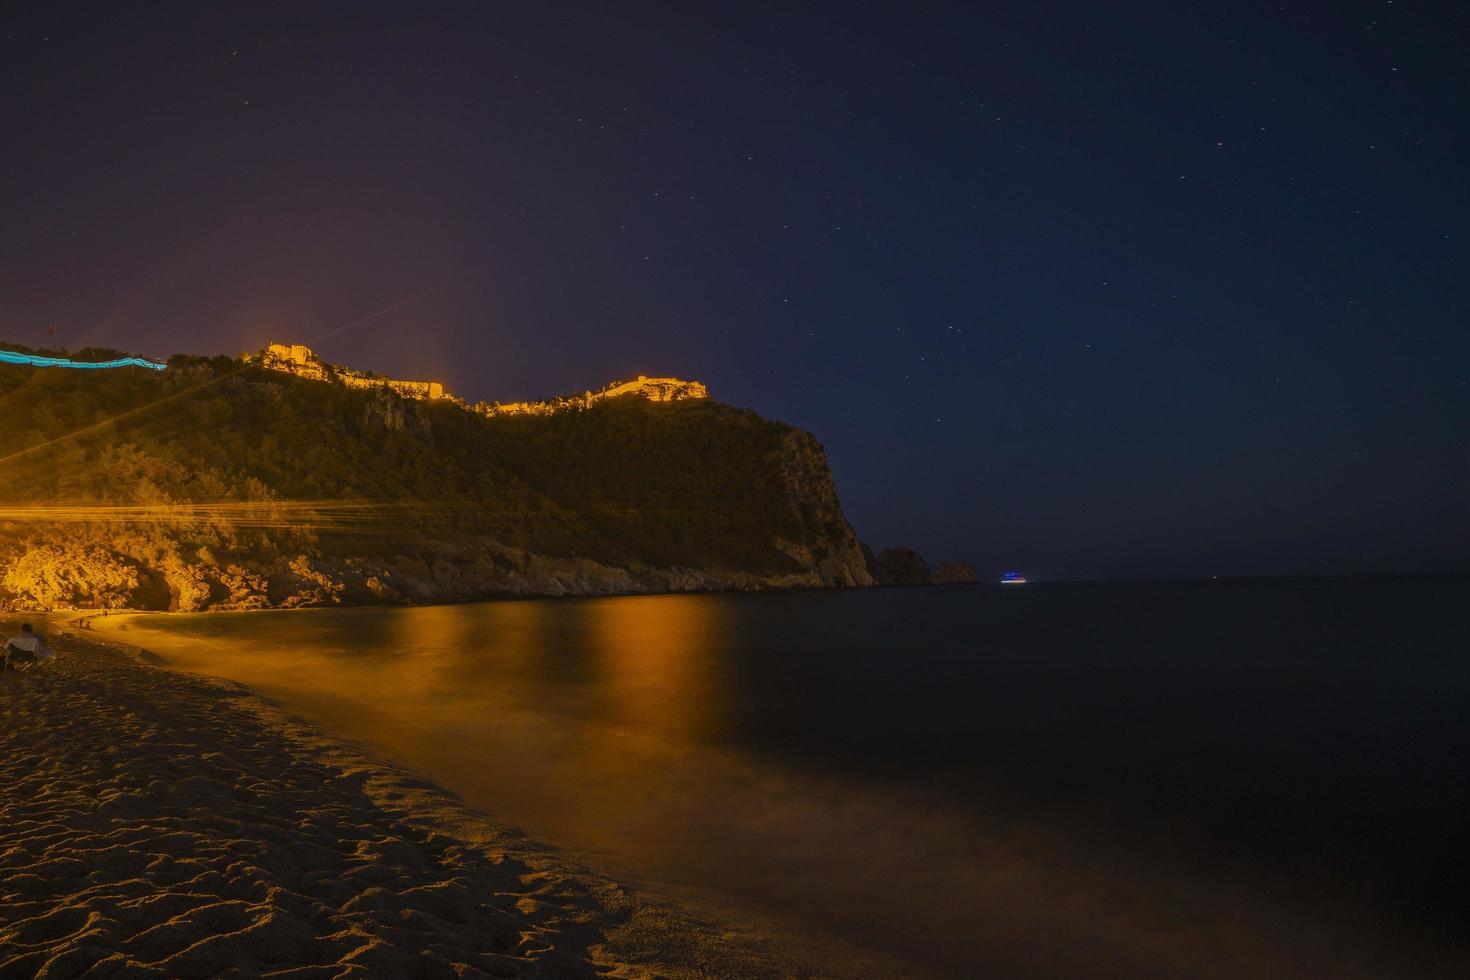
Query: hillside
x=220 y=484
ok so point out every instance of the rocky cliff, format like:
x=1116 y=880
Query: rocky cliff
x=898 y=566
x=905 y=566
x=953 y=573
x=220 y=484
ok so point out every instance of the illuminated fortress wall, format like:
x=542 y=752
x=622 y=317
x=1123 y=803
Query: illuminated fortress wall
x=298 y=359
x=408 y=389
x=653 y=389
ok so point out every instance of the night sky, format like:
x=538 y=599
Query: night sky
x=1085 y=290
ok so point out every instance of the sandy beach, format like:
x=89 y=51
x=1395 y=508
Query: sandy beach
x=154 y=823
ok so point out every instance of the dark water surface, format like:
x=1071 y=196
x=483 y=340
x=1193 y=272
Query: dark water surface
x=1235 y=778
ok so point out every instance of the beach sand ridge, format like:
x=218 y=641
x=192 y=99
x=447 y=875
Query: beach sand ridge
x=154 y=823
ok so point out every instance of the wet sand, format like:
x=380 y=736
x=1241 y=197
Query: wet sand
x=154 y=823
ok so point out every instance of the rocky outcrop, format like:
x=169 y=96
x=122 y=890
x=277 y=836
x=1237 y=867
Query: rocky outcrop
x=905 y=566
x=899 y=566
x=832 y=554
x=953 y=573
x=83 y=574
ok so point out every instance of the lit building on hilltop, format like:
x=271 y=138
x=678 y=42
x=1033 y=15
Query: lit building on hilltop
x=294 y=359
x=295 y=353
x=298 y=359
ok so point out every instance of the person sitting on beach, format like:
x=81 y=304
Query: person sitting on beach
x=26 y=649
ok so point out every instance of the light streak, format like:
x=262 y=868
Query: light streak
x=318 y=514
x=10 y=357
x=385 y=310
x=110 y=420
x=36 y=360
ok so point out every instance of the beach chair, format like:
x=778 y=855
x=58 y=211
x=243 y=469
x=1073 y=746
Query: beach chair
x=25 y=651
x=18 y=659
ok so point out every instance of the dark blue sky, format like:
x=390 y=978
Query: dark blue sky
x=1081 y=289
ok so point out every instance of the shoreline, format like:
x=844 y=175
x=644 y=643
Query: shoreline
x=69 y=617
x=164 y=823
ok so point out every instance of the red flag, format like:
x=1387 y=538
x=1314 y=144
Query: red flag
x=51 y=330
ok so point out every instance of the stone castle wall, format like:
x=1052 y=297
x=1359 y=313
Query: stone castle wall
x=299 y=360
x=653 y=389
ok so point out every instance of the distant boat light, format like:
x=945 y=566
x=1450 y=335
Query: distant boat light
x=1013 y=578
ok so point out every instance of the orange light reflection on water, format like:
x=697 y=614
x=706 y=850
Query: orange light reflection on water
x=655 y=665
x=607 y=726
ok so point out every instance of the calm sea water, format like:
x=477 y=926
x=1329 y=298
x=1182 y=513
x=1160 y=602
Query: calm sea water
x=1243 y=778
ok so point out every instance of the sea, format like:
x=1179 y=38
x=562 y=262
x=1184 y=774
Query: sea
x=1247 y=777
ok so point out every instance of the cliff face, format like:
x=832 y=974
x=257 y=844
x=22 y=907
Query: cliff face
x=828 y=549
x=953 y=573
x=899 y=566
x=905 y=566
x=218 y=484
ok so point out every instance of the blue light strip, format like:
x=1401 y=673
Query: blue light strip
x=35 y=360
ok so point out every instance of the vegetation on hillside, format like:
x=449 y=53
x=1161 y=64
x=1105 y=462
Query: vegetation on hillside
x=216 y=483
